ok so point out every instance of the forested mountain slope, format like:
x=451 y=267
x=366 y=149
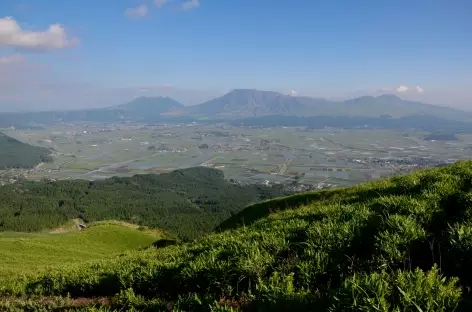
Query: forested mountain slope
x=402 y=244
x=15 y=154
x=187 y=202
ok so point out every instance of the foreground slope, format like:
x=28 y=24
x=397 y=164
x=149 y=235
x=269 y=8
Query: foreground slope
x=30 y=252
x=16 y=154
x=402 y=244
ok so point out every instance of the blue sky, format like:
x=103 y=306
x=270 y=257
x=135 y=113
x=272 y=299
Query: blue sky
x=107 y=51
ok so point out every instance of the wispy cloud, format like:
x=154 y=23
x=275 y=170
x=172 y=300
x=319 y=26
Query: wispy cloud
x=188 y=5
x=143 y=9
x=11 y=59
x=419 y=89
x=138 y=12
x=12 y=35
x=23 y=7
x=160 y=3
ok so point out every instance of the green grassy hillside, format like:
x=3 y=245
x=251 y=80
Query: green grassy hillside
x=15 y=154
x=402 y=244
x=26 y=252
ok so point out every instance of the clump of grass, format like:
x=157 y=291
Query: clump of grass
x=398 y=291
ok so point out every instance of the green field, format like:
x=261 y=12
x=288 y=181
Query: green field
x=402 y=244
x=30 y=252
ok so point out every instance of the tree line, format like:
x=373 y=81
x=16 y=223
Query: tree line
x=187 y=202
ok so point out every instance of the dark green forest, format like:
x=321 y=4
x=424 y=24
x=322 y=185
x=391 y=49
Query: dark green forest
x=187 y=202
x=15 y=154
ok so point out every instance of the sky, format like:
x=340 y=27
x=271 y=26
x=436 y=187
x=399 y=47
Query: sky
x=57 y=54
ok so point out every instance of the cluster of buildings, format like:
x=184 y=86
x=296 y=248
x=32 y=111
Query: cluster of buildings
x=401 y=164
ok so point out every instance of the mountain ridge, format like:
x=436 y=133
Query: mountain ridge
x=248 y=102
x=255 y=103
x=140 y=109
x=151 y=102
x=241 y=103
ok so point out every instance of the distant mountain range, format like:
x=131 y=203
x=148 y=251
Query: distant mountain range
x=241 y=103
x=249 y=103
x=145 y=106
x=140 y=109
x=255 y=103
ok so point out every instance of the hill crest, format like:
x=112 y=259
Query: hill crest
x=16 y=154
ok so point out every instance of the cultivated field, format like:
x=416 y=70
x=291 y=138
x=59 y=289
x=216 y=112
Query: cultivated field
x=326 y=156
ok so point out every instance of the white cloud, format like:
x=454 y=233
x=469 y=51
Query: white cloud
x=160 y=3
x=293 y=93
x=138 y=12
x=188 y=5
x=11 y=59
x=402 y=89
x=12 y=35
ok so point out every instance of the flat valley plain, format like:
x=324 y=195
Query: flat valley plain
x=322 y=157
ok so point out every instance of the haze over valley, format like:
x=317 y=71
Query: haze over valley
x=251 y=135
